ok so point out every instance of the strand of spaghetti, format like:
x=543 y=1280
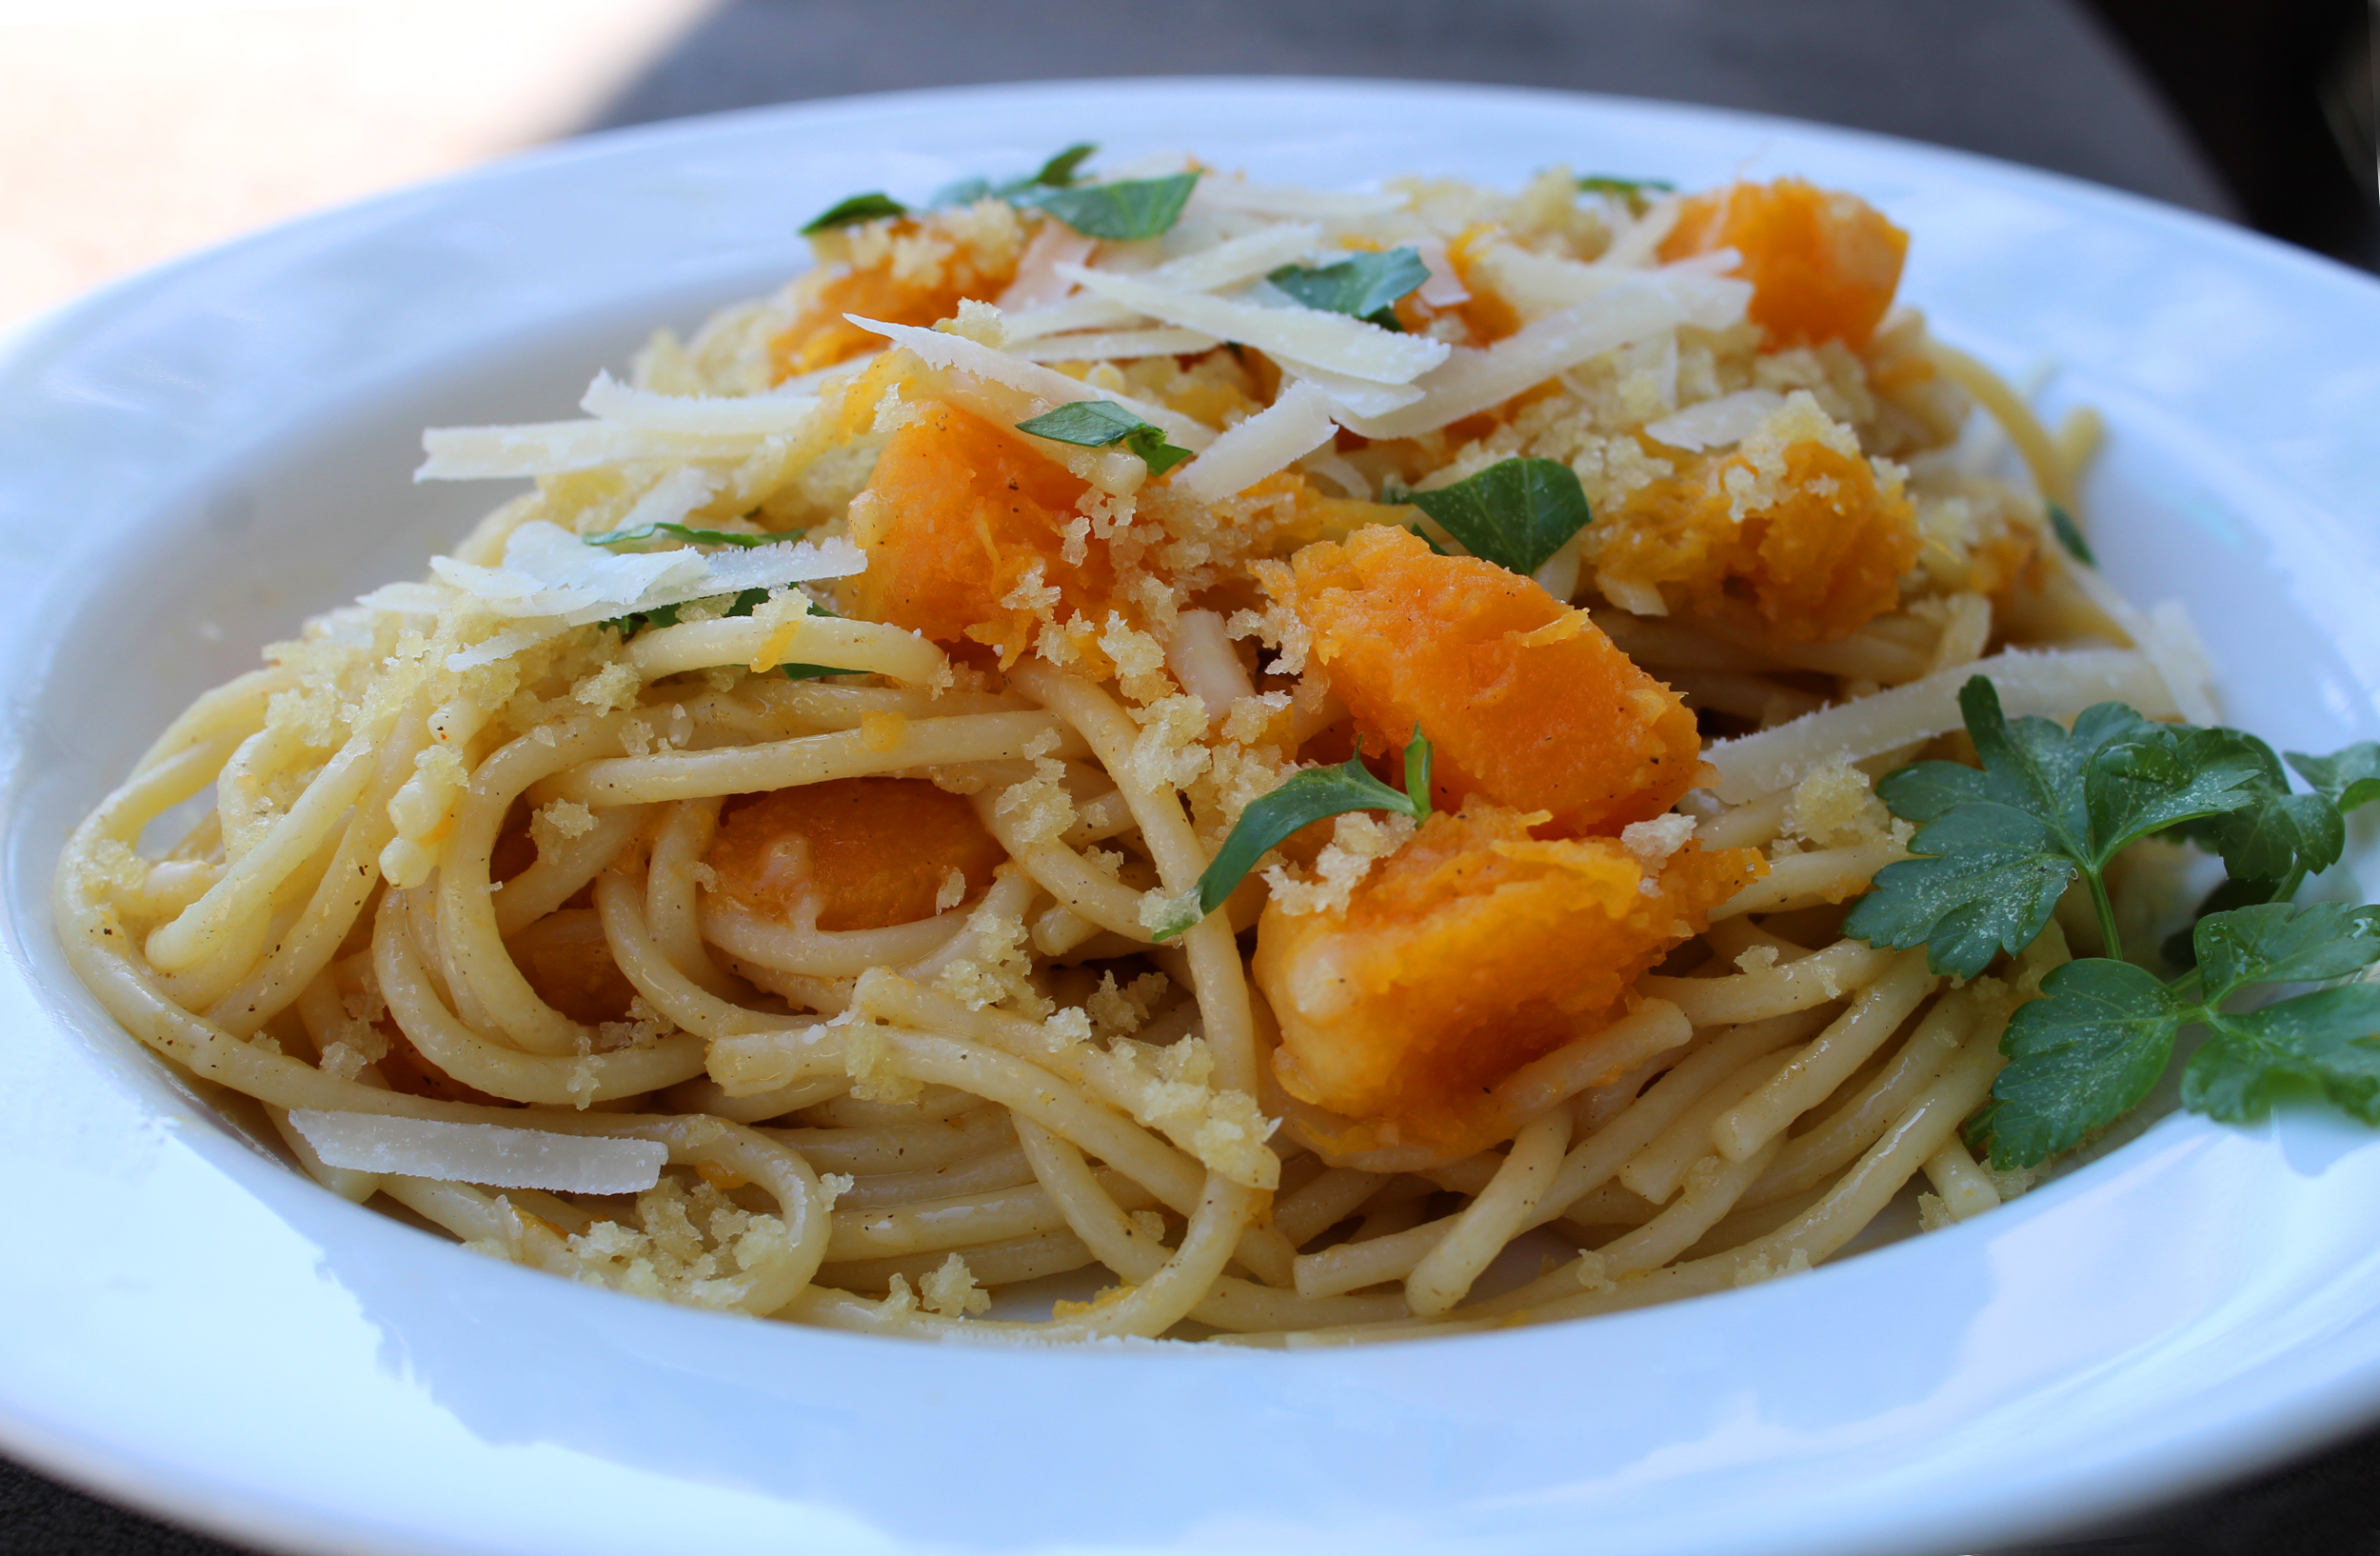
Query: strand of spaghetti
x=826 y=705
x=1837 y=972
x=672 y=913
x=1817 y=1233
x=958 y=1221
x=931 y=1101
x=488 y=986
x=2078 y=438
x=1088 y=894
x=1965 y=1188
x=1865 y=656
x=696 y=1009
x=807 y=759
x=557 y=876
x=824 y=953
x=347 y=885
x=237 y=708
x=869 y=646
x=1807 y=880
x=241 y=802
x=703 y=1095
x=288 y=843
x=898 y=1146
x=568 y=1081
x=1011 y=894
x=1440 y=1279
x=1216 y=975
x=2050 y=472
x=1711 y=1188
x=1657 y=1170
x=1230 y=1304
x=247 y=941
x=1002 y=1167
x=1746 y=826
x=992 y=1264
x=1033 y=1092
x=1834 y=1141
x=1316 y=1207
x=1876 y=1012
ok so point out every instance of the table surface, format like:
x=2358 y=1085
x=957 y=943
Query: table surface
x=2034 y=81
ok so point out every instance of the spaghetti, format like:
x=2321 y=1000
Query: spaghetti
x=819 y=775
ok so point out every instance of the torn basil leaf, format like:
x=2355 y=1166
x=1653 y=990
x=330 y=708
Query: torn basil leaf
x=1097 y=424
x=1632 y=189
x=854 y=209
x=1362 y=286
x=699 y=537
x=2070 y=534
x=1515 y=513
x=1122 y=213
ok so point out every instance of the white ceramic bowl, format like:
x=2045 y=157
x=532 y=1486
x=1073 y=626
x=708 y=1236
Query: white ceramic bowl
x=193 y=460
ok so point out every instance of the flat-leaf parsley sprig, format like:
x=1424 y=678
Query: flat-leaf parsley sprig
x=1998 y=845
x=1305 y=798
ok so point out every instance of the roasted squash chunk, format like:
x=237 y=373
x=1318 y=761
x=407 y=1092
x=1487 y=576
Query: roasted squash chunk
x=910 y=271
x=1792 y=527
x=956 y=521
x=1823 y=266
x=1525 y=702
x=1471 y=950
x=863 y=852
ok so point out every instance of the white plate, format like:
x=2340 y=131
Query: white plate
x=191 y=461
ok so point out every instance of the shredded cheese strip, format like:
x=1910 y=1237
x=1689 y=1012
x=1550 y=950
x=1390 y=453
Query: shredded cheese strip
x=1274 y=438
x=487 y=1154
x=1331 y=341
x=937 y=350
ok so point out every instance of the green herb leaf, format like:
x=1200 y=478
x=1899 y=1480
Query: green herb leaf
x=856 y=208
x=1306 y=798
x=2080 y=1057
x=811 y=672
x=2320 y=1041
x=2070 y=534
x=1122 y=212
x=2276 y=835
x=1097 y=424
x=637 y=621
x=2349 y=779
x=1363 y=286
x=1058 y=172
x=1515 y=513
x=1634 y=188
x=700 y=537
x=2180 y=947
x=2277 y=944
x=1997 y=847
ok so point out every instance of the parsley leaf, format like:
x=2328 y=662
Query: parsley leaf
x=1133 y=209
x=1363 y=286
x=2089 y=1050
x=1096 y=424
x=1058 y=172
x=1515 y=513
x=1306 y=798
x=2070 y=534
x=2349 y=779
x=700 y=537
x=1632 y=189
x=854 y=209
x=1997 y=847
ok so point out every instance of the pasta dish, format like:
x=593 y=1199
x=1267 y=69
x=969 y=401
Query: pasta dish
x=1298 y=765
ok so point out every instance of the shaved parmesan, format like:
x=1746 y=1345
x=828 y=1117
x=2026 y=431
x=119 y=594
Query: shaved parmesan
x=1715 y=424
x=489 y=453
x=1035 y=284
x=755 y=415
x=1330 y=341
x=1354 y=395
x=957 y=353
x=406 y=599
x=1292 y=427
x=1115 y=346
x=1444 y=288
x=511 y=641
x=1536 y=285
x=1208 y=270
x=1640 y=240
x=549 y=572
x=669 y=500
x=1288 y=200
x=488 y=1154
x=1470 y=381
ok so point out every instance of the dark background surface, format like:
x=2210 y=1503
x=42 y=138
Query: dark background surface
x=2258 y=111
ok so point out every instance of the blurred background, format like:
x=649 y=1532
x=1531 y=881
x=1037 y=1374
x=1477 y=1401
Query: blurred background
x=133 y=130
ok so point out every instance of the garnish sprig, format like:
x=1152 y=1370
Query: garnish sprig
x=1515 y=513
x=1099 y=423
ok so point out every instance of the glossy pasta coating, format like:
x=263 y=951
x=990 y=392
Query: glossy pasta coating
x=1802 y=537
x=1524 y=702
x=1473 y=949
x=962 y=525
x=1823 y=265
x=868 y=851
x=908 y=271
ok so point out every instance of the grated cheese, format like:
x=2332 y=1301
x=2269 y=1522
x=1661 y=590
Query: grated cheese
x=1333 y=342
x=707 y=415
x=488 y=1154
x=957 y=353
x=1717 y=424
x=1292 y=427
x=548 y=573
x=491 y=453
x=1115 y=346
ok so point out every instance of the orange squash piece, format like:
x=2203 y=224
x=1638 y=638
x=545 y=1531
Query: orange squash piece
x=1823 y=265
x=896 y=288
x=867 y=853
x=956 y=514
x=1799 y=537
x=568 y=963
x=1463 y=956
x=1524 y=702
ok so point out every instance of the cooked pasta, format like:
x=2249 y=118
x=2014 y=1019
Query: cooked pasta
x=773 y=864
